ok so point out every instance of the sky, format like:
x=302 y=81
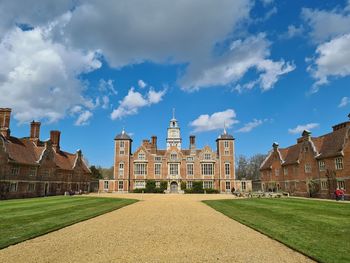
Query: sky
x=267 y=69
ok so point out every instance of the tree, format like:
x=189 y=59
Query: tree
x=248 y=168
x=107 y=173
x=242 y=167
x=95 y=172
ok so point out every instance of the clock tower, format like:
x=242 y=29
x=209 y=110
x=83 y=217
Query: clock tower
x=173 y=137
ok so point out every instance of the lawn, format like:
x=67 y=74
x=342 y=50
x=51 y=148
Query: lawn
x=22 y=219
x=319 y=229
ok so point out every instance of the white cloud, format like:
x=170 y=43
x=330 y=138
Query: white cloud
x=243 y=55
x=107 y=86
x=332 y=59
x=251 y=125
x=216 y=121
x=134 y=100
x=301 y=128
x=39 y=78
x=344 y=101
x=326 y=25
x=83 y=118
x=141 y=84
x=105 y=104
x=267 y=2
x=294 y=31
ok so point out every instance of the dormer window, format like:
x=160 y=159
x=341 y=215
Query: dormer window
x=173 y=156
x=207 y=156
x=141 y=156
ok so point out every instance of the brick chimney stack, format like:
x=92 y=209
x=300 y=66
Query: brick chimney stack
x=154 y=141
x=55 y=140
x=192 y=141
x=5 y=115
x=35 y=131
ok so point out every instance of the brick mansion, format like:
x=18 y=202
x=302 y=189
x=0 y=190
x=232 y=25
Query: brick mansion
x=314 y=166
x=30 y=167
x=174 y=165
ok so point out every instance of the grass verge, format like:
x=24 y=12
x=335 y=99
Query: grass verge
x=318 y=229
x=22 y=219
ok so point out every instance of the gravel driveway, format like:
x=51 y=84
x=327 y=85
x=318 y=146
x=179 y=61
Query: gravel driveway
x=160 y=228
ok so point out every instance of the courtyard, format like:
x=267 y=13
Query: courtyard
x=158 y=228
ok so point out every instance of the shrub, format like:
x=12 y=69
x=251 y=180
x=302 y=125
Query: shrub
x=163 y=185
x=197 y=187
x=139 y=190
x=150 y=186
x=183 y=185
x=211 y=191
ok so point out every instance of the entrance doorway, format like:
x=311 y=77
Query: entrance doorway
x=173 y=187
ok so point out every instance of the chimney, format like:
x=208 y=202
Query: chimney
x=154 y=141
x=55 y=140
x=275 y=146
x=5 y=114
x=34 y=131
x=192 y=141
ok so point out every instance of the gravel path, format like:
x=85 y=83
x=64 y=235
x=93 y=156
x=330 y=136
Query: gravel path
x=160 y=228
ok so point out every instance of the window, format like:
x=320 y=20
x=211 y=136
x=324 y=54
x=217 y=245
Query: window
x=189 y=184
x=295 y=170
x=207 y=156
x=341 y=184
x=120 y=185
x=157 y=159
x=13 y=187
x=285 y=170
x=139 y=184
x=174 y=169
x=141 y=156
x=226 y=144
x=157 y=168
x=228 y=186
x=106 y=185
x=121 y=147
x=121 y=144
x=173 y=156
x=277 y=172
x=190 y=159
x=243 y=186
x=190 y=169
x=324 y=185
x=32 y=171
x=227 y=169
x=31 y=187
x=308 y=168
x=321 y=166
x=207 y=169
x=45 y=172
x=207 y=184
x=140 y=169
x=15 y=170
x=121 y=170
x=158 y=184
x=121 y=152
x=339 y=163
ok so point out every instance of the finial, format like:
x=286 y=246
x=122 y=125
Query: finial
x=173 y=113
x=225 y=132
x=123 y=131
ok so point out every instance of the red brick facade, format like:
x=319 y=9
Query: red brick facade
x=30 y=167
x=314 y=166
x=174 y=165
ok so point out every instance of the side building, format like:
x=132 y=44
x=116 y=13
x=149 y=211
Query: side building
x=174 y=165
x=30 y=167
x=313 y=167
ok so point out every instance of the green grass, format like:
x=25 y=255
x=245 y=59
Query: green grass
x=319 y=229
x=22 y=219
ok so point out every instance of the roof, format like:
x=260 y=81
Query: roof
x=24 y=151
x=325 y=146
x=122 y=136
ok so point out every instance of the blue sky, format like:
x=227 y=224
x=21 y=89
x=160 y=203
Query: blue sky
x=268 y=69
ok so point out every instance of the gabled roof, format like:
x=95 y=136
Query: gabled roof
x=24 y=151
x=328 y=145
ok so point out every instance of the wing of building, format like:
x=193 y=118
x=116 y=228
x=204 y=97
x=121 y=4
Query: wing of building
x=177 y=166
x=314 y=166
x=30 y=167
